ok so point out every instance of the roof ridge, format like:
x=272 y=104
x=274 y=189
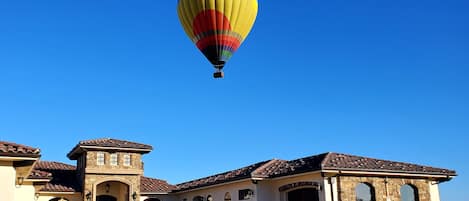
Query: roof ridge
x=326 y=158
x=256 y=172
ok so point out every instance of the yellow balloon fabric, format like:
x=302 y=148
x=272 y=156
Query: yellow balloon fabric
x=217 y=27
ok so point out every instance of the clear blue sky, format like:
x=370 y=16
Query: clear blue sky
x=385 y=79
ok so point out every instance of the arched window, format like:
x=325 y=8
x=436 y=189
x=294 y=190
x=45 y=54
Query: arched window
x=365 y=192
x=227 y=196
x=58 y=199
x=409 y=193
x=152 y=199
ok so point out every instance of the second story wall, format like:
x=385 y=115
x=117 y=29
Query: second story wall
x=113 y=162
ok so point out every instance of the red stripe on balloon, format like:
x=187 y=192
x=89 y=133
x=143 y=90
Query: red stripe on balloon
x=210 y=20
x=219 y=40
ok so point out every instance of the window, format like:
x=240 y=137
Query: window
x=365 y=192
x=100 y=158
x=409 y=193
x=114 y=159
x=127 y=160
x=227 y=196
x=245 y=194
x=58 y=199
x=303 y=194
x=152 y=199
x=198 y=198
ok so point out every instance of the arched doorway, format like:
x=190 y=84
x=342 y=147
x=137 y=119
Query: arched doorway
x=105 y=198
x=112 y=191
x=303 y=194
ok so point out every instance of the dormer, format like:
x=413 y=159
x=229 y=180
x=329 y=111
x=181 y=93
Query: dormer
x=109 y=156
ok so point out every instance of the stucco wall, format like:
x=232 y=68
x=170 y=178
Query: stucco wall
x=160 y=197
x=218 y=192
x=434 y=191
x=7 y=181
x=269 y=190
x=24 y=192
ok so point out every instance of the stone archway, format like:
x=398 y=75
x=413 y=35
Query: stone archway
x=112 y=191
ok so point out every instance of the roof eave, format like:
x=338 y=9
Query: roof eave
x=388 y=172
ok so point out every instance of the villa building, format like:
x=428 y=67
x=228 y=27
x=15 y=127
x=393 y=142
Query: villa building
x=112 y=170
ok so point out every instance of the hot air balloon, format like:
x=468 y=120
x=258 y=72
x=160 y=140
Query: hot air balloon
x=217 y=27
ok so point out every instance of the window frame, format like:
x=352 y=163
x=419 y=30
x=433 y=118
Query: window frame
x=100 y=159
x=114 y=159
x=127 y=160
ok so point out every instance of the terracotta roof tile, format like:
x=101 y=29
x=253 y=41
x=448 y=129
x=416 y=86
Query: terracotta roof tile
x=64 y=176
x=326 y=161
x=234 y=175
x=18 y=150
x=54 y=187
x=337 y=161
x=151 y=185
x=109 y=142
x=50 y=165
x=38 y=174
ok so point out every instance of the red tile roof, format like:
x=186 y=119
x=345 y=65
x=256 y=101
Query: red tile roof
x=50 y=165
x=337 y=161
x=108 y=143
x=18 y=150
x=38 y=174
x=64 y=176
x=234 y=175
x=327 y=161
x=151 y=185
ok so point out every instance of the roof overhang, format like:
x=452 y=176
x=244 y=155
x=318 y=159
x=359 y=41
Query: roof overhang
x=17 y=157
x=391 y=173
x=79 y=149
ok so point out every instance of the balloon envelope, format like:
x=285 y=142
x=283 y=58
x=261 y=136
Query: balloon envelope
x=217 y=27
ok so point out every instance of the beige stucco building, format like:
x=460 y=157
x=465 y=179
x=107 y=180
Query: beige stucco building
x=112 y=170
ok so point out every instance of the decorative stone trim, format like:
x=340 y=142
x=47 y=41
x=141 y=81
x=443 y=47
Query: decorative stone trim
x=310 y=184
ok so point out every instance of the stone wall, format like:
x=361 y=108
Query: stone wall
x=135 y=158
x=393 y=185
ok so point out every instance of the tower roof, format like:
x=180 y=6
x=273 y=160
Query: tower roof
x=108 y=144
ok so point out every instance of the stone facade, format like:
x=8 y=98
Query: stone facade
x=386 y=189
x=93 y=180
x=95 y=174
